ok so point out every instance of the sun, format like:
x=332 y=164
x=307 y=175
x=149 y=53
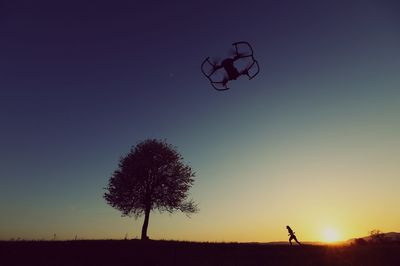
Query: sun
x=330 y=235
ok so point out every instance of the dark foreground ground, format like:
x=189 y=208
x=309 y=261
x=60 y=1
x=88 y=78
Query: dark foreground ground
x=135 y=252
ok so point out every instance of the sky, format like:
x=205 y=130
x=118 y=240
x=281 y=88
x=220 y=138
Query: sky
x=312 y=142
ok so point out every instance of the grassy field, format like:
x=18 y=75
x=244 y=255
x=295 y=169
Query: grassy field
x=135 y=252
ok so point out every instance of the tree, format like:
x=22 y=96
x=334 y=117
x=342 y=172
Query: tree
x=151 y=176
x=377 y=236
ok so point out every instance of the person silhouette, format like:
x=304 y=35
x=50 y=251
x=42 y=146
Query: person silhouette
x=292 y=235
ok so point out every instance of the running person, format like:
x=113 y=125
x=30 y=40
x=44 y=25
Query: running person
x=292 y=235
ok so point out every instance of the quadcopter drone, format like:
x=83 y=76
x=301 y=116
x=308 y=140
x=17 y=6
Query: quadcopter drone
x=241 y=63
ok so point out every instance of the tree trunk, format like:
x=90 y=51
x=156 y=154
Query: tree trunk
x=145 y=223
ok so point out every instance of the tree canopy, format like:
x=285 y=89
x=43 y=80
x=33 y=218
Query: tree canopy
x=151 y=176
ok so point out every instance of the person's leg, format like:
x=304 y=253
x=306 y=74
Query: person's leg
x=295 y=239
x=290 y=240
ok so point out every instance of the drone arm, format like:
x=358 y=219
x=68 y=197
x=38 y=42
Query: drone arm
x=242 y=56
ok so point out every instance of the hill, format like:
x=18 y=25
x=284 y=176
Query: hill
x=391 y=237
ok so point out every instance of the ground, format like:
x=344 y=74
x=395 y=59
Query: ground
x=136 y=252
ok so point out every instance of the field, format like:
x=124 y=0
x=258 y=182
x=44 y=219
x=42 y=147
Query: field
x=135 y=252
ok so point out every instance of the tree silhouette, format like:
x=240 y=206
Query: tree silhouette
x=151 y=176
x=377 y=236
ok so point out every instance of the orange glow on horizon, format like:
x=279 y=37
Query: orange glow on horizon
x=330 y=235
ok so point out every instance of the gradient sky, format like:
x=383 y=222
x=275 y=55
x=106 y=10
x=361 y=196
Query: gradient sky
x=313 y=141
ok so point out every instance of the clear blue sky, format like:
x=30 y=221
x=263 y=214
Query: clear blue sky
x=83 y=81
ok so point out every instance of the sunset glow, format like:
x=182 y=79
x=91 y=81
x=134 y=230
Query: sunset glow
x=330 y=235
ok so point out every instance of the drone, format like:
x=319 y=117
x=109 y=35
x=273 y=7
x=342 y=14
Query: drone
x=242 y=63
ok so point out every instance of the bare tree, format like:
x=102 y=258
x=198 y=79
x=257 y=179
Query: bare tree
x=377 y=236
x=151 y=176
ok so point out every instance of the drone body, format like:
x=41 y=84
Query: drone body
x=242 y=63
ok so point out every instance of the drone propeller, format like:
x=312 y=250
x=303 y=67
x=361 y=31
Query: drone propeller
x=252 y=69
